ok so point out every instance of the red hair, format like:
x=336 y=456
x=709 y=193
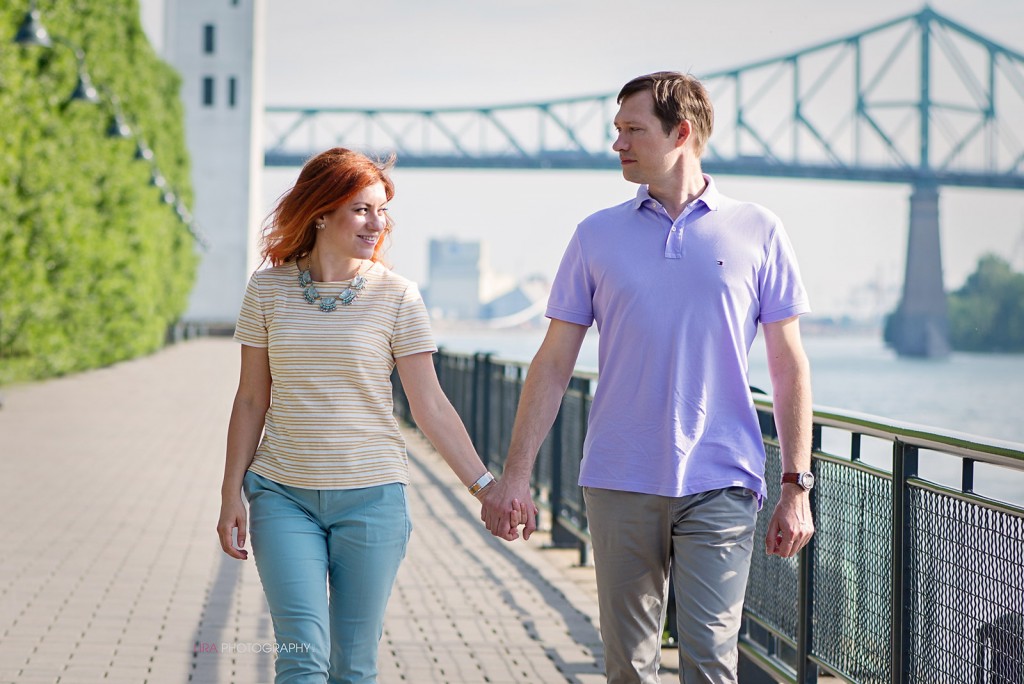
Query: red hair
x=325 y=183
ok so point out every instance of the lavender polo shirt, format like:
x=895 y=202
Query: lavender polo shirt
x=677 y=306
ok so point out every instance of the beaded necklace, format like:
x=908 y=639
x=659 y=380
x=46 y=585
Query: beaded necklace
x=327 y=303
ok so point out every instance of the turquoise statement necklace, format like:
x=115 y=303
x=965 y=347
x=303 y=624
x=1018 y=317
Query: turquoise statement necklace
x=327 y=303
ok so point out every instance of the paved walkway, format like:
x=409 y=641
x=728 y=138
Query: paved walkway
x=110 y=570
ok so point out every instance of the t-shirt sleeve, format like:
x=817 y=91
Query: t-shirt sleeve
x=572 y=292
x=251 y=328
x=412 y=334
x=782 y=290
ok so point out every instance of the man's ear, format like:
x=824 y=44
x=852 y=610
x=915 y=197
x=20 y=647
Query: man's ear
x=683 y=131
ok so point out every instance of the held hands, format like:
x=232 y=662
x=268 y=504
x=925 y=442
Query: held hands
x=505 y=505
x=791 y=526
x=233 y=517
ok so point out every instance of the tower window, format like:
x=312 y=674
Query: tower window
x=208 y=39
x=208 y=91
x=232 y=90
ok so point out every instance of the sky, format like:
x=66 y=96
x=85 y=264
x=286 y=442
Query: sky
x=850 y=238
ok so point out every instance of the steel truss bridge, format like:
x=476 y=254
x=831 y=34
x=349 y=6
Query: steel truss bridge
x=920 y=100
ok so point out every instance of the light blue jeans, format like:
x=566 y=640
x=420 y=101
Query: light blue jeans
x=306 y=540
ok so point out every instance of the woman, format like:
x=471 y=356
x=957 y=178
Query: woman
x=321 y=331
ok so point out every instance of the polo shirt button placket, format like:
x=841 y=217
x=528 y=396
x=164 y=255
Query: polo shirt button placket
x=674 y=246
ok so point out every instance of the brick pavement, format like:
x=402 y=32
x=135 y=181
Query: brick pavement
x=110 y=568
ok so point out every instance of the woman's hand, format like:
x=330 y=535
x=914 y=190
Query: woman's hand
x=520 y=516
x=233 y=517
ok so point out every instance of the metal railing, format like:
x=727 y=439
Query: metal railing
x=905 y=580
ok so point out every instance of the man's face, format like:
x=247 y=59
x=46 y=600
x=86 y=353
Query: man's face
x=647 y=155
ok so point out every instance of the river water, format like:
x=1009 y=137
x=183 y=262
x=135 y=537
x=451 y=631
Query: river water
x=975 y=394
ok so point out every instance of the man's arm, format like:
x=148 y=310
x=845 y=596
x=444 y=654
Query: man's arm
x=791 y=526
x=546 y=381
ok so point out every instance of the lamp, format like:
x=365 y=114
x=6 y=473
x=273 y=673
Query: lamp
x=142 y=152
x=119 y=127
x=84 y=89
x=32 y=31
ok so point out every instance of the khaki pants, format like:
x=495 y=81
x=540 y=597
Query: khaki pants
x=707 y=540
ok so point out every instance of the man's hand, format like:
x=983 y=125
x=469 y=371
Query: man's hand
x=791 y=526
x=505 y=503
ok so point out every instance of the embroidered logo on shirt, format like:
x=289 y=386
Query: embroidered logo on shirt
x=721 y=263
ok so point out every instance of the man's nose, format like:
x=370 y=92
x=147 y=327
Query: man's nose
x=619 y=145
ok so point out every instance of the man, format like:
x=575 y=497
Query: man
x=677 y=281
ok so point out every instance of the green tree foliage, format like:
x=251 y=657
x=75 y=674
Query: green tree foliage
x=94 y=266
x=987 y=313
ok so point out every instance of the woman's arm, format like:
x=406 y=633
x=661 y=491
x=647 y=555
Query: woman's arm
x=247 y=418
x=438 y=420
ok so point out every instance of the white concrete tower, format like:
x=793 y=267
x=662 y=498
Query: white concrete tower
x=218 y=47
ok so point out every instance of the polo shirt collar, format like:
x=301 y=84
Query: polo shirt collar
x=710 y=197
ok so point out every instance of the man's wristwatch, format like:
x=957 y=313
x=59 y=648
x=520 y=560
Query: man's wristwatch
x=804 y=480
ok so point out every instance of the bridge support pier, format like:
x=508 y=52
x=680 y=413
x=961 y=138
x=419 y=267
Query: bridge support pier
x=920 y=324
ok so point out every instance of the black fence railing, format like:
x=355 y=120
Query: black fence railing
x=906 y=579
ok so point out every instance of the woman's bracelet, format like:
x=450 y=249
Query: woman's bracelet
x=478 y=486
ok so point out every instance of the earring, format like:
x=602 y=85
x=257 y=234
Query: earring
x=320 y=225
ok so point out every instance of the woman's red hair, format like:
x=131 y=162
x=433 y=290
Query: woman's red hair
x=326 y=182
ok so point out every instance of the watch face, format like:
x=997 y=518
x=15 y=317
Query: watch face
x=806 y=480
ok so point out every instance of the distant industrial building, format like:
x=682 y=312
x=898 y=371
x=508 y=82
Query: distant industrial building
x=455 y=276
x=463 y=287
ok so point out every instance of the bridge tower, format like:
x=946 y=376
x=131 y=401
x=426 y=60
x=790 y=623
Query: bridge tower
x=920 y=324
x=217 y=46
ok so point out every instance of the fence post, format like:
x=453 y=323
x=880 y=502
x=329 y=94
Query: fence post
x=807 y=671
x=474 y=403
x=560 y=537
x=904 y=468
x=485 y=409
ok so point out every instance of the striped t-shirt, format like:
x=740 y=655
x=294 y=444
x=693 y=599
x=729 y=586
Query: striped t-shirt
x=330 y=423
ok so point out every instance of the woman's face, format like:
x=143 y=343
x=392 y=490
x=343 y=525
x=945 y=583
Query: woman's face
x=355 y=227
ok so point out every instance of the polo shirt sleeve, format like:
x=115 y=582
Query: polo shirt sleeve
x=572 y=293
x=782 y=292
x=251 y=327
x=412 y=334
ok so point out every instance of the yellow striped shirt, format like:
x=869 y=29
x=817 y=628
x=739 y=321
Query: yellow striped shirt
x=330 y=424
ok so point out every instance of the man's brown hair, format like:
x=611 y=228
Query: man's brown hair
x=677 y=97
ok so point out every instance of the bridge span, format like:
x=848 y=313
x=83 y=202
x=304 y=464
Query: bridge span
x=920 y=100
